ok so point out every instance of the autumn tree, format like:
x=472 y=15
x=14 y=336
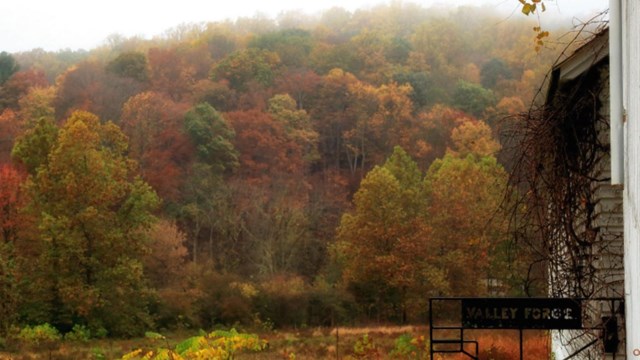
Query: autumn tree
x=36 y=104
x=297 y=124
x=170 y=73
x=216 y=93
x=277 y=234
x=300 y=84
x=245 y=66
x=266 y=151
x=92 y=214
x=154 y=126
x=330 y=111
x=33 y=147
x=271 y=187
x=18 y=85
x=464 y=197
x=9 y=128
x=383 y=242
x=371 y=48
x=12 y=201
x=165 y=262
x=474 y=137
x=88 y=86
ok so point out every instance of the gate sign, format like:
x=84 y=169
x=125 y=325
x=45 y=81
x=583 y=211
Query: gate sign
x=521 y=313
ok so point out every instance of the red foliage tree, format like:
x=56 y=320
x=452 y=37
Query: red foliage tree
x=11 y=201
x=153 y=123
x=170 y=73
x=18 y=85
x=266 y=151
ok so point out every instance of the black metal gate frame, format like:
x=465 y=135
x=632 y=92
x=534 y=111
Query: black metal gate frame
x=462 y=342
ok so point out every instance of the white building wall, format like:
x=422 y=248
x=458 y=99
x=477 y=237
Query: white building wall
x=631 y=76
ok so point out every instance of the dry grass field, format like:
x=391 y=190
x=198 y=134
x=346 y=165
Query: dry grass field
x=376 y=342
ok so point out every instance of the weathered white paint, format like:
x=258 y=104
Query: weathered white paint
x=615 y=90
x=631 y=53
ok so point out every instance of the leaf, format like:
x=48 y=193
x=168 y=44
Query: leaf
x=191 y=344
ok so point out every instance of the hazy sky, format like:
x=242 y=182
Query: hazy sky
x=76 y=24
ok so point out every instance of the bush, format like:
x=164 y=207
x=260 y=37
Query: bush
x=409 y=347
x=78 y=333
x=39 y=334
x=40 y=337
x=366 y=348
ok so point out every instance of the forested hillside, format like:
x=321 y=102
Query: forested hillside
x=291 y=171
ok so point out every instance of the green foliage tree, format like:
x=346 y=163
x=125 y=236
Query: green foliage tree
x=215 y=157
x=212 y=138
x=493 y=71
x=423 y=93
x=292 y=45
x=472 y=98
x=92 y=216
x=8 y=66
x=130 y=64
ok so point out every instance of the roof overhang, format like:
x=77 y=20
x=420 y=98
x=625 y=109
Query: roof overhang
x=579 y=62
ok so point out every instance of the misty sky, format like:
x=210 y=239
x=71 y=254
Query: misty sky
x=76 y=24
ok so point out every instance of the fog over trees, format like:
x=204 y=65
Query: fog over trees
x=298 y=170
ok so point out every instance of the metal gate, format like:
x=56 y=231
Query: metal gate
x=450 y=317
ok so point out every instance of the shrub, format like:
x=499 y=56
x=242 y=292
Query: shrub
x=219 y=344
x=365 y=348
x=39 y=334
x=78 y=333
x=40 y=337
x=409 y=347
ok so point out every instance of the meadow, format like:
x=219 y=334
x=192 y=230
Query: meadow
x=379 y=342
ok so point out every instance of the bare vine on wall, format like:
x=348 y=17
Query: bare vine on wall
x=558 y=151
x=567 y=213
